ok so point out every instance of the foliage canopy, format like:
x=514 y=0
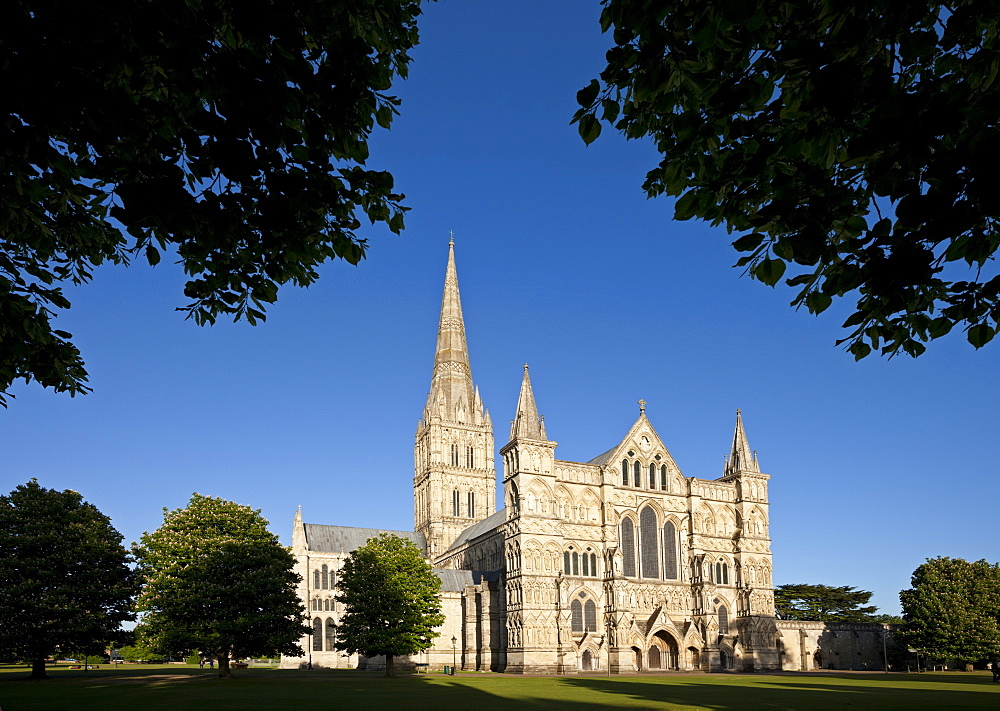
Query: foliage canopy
x=391 y=600
x=230 y=133
x=66 y=577
x=822 y=603
x=214 y=579
x=853 y=142
x=952 y=610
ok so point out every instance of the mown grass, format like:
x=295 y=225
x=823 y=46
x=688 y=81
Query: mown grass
x=169 y=687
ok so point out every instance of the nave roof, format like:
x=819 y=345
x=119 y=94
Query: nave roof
x=345 y=539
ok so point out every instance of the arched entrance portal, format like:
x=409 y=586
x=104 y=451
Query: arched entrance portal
x=637 y=658
x=586 y=661
x=725 y=661
x=662 y=652
x=818 y=660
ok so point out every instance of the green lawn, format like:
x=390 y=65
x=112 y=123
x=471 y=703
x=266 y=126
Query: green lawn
x=160 y=687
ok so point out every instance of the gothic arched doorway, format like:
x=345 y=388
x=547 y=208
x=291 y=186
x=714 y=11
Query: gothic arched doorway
x=725 y=660
x=653 y=657
x=818 y=660
x=637 y=658
x=586 y=660
x=694 y=657
x=663 y=649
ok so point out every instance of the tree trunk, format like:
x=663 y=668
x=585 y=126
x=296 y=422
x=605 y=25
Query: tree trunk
x=389 y=669
x=38 y=669
x=224 y=672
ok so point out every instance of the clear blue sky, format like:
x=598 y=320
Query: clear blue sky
x=564 y=264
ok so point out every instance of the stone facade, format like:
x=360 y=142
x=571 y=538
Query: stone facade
x=619 y=562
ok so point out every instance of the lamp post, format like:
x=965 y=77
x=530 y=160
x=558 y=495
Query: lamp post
x=454 y=653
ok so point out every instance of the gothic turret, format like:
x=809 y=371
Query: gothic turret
x=740 y=459
x=526 y=423
x=454 y=483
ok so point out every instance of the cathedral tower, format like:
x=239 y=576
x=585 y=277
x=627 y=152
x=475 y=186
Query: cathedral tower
x=454 y=482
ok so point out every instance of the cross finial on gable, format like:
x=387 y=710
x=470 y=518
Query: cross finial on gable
x=642 y=406
x=451 y=236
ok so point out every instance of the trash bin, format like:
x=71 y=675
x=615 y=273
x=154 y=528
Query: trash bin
x=447 y=669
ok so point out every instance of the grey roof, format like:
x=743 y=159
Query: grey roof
x=456 y=580
x=602 y=459
x=478 y=529
x=334 y=539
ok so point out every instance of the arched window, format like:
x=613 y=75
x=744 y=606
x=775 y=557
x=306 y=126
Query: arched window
x=636 y=474
x=721 y=573
x=648 y=550
x=590 y=616
x=593 y=564
x=723 y=620
x=324 y=578
x=455 y=504
x=454 y=455
x=652 y=476
x=566 y=568
x=576 y=563
x=586 y=564
x=663 y=477
x=317 y=635
x=628 y=548
x=624 y=472
x=576 y=615
x=669 y=551
x=470 y=457
x=316 y=579
x=331 y=634
x=472 y=504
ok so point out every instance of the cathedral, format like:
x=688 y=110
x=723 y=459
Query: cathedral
x=620 y=564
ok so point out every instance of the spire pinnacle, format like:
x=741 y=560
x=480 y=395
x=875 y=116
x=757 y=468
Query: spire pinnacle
x=741 y=459
x=527 y=424
x=451 y=393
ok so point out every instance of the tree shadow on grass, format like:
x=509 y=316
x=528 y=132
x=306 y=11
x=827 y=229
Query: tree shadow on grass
x=784 y=692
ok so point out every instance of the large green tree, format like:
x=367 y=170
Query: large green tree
x=230 y=135
x=952 y=610
x=65 y=579
x=852 y=145
x=214 y=579
x=391 y=600
x=823 y=603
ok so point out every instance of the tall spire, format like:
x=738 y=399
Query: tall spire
x=741 y=459
x=451 y=393
x=527 y=424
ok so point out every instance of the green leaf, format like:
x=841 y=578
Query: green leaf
x=152 y=255
x=769 y=271
x=980 y=334
x=749 y=242
x=585 y=97
x=590 y=128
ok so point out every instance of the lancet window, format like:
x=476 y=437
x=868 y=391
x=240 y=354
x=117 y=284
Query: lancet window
x=317 y=635
x=472 y=504
x=628 y=548
x=669 y=551
x=576 y=616
x=331 y=634
x=637 y=474
x=723 y=620
x=324 y=580
x=625 y=471
x=663 y=477
x=590 y=616
x=648 y=549
x=456 y=505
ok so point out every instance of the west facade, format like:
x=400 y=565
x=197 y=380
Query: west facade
x=620 y=563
